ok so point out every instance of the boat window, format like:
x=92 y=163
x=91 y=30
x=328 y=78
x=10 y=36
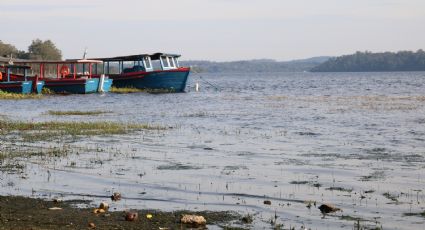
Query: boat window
x=176 y=61
x=147 y=62
x=171 y=61
x=164 y=62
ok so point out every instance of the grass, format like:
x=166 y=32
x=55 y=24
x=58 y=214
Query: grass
x=126 y=90
x=50 y=130
x=47 y=91
x=76 y=113
x=45 y=152
x=18 y=96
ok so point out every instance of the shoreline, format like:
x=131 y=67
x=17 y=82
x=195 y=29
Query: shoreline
x=17 y=212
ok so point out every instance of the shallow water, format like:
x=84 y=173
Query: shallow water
x=291 y=138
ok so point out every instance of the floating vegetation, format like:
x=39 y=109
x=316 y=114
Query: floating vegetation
x=307 y=134
x=39 y=131
x=76 y=113
x=390 y=197
x=351 y=218
x=18 y=96
x=340 y=189
x=376 y=175
x=247 y=219
x=35 y=152
x=198 y=114
x=235 y=167
x=11 y=167
x=421 y=214
x=177 y=166
x=299 y=182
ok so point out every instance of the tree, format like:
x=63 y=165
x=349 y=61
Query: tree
x=44 y=50
x=367 y=61
x=7 y=49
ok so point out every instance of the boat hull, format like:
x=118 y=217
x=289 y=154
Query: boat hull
x=170 y=80
x=24 y=87
x=39 y=86
x=72 y=86
x=106 y=87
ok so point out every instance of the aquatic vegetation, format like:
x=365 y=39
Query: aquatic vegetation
x=76 y=112
x=390 y=196
x=340 y=189
x=39 y=131
x=376 y=175
x=34 y=152
x=247 y=219
x=126 y=90
x=198 y=114
x=18 y=96
x=299 y=182
x=421 y=214
x=47 y=91
x=177 y=166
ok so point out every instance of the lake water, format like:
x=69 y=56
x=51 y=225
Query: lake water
x=355 y=140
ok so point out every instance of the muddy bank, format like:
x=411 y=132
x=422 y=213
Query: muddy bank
x=28 y=213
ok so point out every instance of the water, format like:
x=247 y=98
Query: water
x=354 y=140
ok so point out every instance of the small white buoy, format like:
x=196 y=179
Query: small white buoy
x=197 y=87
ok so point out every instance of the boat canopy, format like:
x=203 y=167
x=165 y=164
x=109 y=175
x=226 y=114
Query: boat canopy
x=75 y=61
x=15 y=66
x=141 y=62
x=155 y=56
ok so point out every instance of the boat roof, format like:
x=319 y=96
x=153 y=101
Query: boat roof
x=15 y=66
x=136 y=57
x=74 y=61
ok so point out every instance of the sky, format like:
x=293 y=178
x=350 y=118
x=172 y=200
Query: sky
x=217 y=30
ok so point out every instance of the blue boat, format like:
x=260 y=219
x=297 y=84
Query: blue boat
x=69 y=77
x=157 y=71
x=14 y=83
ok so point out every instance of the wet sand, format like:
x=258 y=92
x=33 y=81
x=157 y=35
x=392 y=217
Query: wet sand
x=27 y=213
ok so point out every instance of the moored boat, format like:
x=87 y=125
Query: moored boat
x=157 y=71
x=69 y=77
x=9 y=82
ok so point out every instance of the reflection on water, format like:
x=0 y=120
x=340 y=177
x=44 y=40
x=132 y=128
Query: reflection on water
x=353 y=140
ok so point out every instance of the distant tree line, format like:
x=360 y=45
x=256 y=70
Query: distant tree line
x=254 y=66
x=373 y=62
x=38 y=50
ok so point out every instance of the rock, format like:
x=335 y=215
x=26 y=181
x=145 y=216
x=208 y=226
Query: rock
x=92 y=225
x=98 y=210
x=104 y=206
x=55 y=208
x=193 y=220
x=328 y=208
x=116 y=196
x=267 y=202
x=131 y=216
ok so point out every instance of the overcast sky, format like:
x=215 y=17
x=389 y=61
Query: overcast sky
x=219 y=30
